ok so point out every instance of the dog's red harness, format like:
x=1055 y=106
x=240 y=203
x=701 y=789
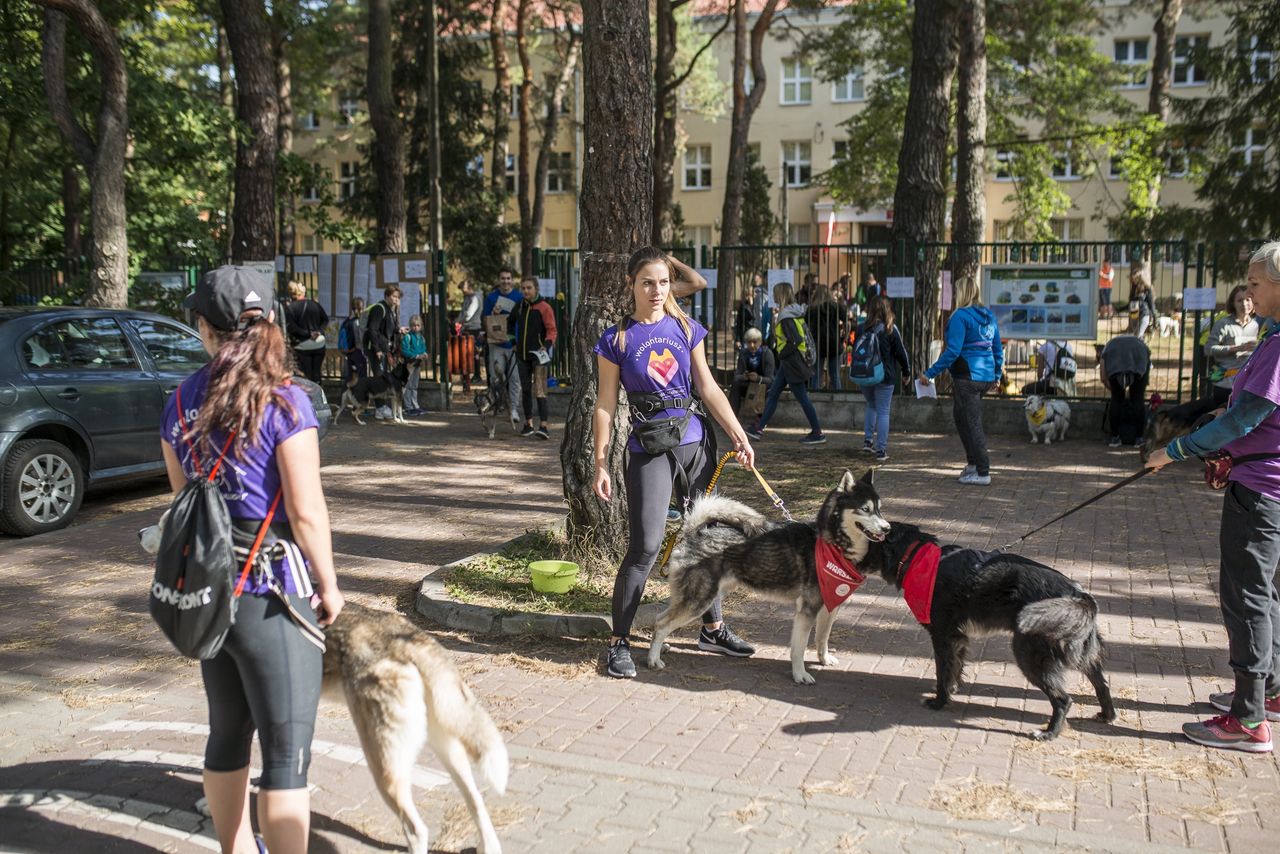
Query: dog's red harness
x=838 y=578
x=921 y=562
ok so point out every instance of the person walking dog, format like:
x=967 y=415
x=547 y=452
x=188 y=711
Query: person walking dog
x=656 y=353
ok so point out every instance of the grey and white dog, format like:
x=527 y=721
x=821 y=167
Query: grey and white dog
x=725 y=544
x=1047 y=417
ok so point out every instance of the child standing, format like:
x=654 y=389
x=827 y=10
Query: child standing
x=413 y=346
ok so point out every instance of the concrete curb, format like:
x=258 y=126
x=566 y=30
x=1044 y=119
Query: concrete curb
x=435 y=603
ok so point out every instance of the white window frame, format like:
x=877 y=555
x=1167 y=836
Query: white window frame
x=559 y=172
x=348 y=107
x=310 y=120
x=1251 y=150
x=475 y=166
x=310 y=194
x=348 y=175
x=1069 y=171
x=1004 y=159
x=798 y=171
x=836 y=146
x=697 y=164
x=1133 y=63
x=799 y=233
x=511 y=172
x=1180 y=155
x=797 y=82
x=849 y=89
x=1063 y=227
x=312 y=243
x=1182 y=62
x=1255 y=58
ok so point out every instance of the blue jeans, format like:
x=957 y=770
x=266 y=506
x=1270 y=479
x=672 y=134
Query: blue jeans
x=876 y=422
x=832 y=364
x=801 y=395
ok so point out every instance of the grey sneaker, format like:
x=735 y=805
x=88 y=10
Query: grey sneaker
x=1222 y=701
x=1228 y=733
x=542 y=433
x=814 y=439
x=968 y=470
x=1114 y=442
x=975 y=479
x=724 y=641
x=620 y=664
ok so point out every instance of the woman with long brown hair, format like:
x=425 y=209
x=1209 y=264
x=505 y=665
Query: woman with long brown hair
x=242 y=407
x=893 y=355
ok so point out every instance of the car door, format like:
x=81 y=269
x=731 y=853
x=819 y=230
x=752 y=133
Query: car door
x=175 y=351
x=85 y=368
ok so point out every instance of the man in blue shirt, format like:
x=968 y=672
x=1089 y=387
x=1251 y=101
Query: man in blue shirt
x=500 y=333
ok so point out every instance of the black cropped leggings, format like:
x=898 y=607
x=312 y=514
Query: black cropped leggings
x=650 y=481
x=266 y=677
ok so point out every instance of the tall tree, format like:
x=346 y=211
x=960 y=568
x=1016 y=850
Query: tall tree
x=524 y=132
x=919 y=202
x=388 y=132
x=103 y=159
x=969 y=211
x=281 y=28
x=257 y=109
x=748 y=49
x=616 y=199
x=501 y=103
x=1153 y=145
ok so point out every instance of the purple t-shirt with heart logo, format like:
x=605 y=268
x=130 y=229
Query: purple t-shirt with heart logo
x=655 y=358
x=1261 y=376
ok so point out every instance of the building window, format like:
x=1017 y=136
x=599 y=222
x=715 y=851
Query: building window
x=799 y=234
x=848 y=88
x=1259 y=58
x=559 y=238
x=1004 y=164
x=1177 y=162
x=475 y=166
x=511 y=173
x=348 y=107
x=1063 y=168
x=697 y=167
x=839 y=150
x=797 y=163
x=515 y=100
x=350 y=173
x=699 y=237
x=311 y=243
x=797 y=82
x=1185 y=71
x=560 y=172
x=1133 y=53
x=311 y=120
x=1114 y=170
x=1067 y=229
x=311 y=194
x=1247 y=148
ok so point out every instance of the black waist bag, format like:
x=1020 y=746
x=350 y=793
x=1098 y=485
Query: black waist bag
x=659 y=435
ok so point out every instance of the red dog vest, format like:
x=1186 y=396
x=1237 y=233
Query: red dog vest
x=838 y=578
x=917 y=584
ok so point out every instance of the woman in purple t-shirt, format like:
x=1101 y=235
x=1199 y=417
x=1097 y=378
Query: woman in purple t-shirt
x=656 y=353
x=267 y=674
x=1249 y=539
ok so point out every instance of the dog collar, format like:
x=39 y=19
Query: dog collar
x=838 y=577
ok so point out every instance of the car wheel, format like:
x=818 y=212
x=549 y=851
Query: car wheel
x=43 y=487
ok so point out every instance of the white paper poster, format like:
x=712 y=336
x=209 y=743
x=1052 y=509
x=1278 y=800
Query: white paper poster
x=712 y=276
x=342 y=272
x=410 y=301
x=946 y=290
x=900 y=287
x=547 y=288
x=415 y=269
x=279 y=263
x=1043 y=301
x=780 y=277
x=324 y=272
x=390 y=270
x=1199 y=299
x=361 y=279
x=304 y=263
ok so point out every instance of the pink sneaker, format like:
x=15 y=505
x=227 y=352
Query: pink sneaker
x=1228 y=733
x=1223 y=702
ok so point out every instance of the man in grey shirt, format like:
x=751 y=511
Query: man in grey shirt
x=1125 y=367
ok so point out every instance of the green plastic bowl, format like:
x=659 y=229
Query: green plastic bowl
x=553 y=576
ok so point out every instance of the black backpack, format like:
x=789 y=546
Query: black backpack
x=194 y=591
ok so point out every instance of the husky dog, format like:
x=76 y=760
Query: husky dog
x=1052 y=619
x=1047 y=417
x=384 y=388
x=1169 y=422
x=402 y=690
x=487 y=409
x=725 y=544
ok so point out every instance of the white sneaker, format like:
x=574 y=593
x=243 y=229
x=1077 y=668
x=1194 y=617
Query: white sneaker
x=968 y=470
x=975 y=479
x=382 y=413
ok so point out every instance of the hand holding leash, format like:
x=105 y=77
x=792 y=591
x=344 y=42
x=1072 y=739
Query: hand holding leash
x=331 y=603
x=746 y=454
x=1158 y=460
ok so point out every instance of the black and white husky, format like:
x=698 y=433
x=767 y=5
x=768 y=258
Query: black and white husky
x=1052 y=619
x=725 y=544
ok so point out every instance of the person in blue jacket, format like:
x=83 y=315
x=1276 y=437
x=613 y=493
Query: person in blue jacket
x=975 y=357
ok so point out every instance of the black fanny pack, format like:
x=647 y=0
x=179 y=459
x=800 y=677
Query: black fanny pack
x=659 y=435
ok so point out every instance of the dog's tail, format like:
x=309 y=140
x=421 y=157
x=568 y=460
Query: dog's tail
x=724 y=512
x=453 y=706
x=1069 y=622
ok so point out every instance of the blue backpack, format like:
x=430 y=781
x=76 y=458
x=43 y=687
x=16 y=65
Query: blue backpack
x=866 y=366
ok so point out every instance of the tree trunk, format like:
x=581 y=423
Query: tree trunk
x=747 y=47
x=528 y=239
x=227 y=97
x=433 y=135
x=388 y=133
x=616 y=199
x=254 y=218
x=501 y=104
x=919 y=201
x=108 y=284
x=551 y=127
x=664 y=121
x=1158 y=105
x=6 y=240
x=288 y=234
x=969 y=212
x=72 y=249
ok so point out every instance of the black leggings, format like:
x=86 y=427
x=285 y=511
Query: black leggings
x=649 y=481
x=266 y=677
x=310 y=362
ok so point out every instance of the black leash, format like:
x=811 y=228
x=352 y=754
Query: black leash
x=1103 y=494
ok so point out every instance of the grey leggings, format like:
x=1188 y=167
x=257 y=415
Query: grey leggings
x=967 y=410
x=649 y=481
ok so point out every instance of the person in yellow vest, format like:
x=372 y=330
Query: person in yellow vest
x=794 y=347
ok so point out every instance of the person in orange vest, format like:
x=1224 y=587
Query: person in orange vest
x=1106 y=277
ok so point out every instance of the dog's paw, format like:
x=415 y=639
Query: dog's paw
x=828 y=660
x=1106 y=716
x=936 y=703
x=804 y=677
x=656 y=663
x=1042 y=735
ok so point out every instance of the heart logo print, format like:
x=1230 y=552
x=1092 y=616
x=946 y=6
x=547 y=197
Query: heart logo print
x=662 y=367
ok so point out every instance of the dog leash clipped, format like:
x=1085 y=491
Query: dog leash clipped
x=1103 y=494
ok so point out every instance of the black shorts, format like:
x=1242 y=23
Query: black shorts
x=267 y=677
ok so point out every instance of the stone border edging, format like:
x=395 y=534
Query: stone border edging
x=435 y=603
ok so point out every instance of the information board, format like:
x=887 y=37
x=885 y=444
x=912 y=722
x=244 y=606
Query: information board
x=1043 y=301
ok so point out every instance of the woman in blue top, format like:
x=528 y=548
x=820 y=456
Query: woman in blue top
x=413 y=348
x=875 y=426
x=975 y=357
x=657 y=355
x=267 y=675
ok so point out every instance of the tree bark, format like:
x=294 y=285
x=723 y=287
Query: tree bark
x=616 y=217
x=254 y=217
x=528 y=240
x=388 y=133
x=1159 y=103
x=550 y=128
x=227 y=97
x=919 y=201
x=72 y=249
x=434 y=202
x=288 y=234
x=104 y=162
x=748 y=47
x=6 y=240
x=969 y=211
x=501 y=104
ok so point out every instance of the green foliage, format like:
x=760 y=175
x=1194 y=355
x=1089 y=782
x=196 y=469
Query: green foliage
x=703 y=92
x=759 y=225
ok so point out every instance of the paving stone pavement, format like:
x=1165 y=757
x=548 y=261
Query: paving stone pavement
x=101 y=726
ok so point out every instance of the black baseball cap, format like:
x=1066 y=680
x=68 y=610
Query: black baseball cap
x=224 y=294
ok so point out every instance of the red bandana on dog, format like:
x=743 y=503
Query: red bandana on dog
x=837 y=576
x=917 y=585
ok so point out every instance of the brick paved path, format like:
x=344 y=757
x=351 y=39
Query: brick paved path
x=101 y=726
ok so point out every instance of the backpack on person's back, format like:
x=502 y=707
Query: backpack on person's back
x=866 y=362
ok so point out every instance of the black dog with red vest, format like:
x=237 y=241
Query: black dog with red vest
x=959 y=594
